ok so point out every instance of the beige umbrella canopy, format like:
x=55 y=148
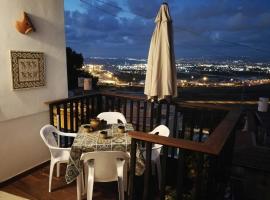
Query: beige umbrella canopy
x=160 y=81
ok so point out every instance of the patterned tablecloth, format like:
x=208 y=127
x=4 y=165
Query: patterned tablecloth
x=87 y=142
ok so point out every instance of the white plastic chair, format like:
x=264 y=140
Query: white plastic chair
x=112 y=117
x=162 y=130
x=104 y=166
x=58 y=154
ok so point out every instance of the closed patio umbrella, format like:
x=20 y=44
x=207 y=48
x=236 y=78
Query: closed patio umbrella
x=161 y=81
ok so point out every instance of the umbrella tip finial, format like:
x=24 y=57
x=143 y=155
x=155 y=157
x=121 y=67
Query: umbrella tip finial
x=165 y=2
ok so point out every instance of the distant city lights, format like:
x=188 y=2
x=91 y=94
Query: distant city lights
x=205 y=78
x=222 y=74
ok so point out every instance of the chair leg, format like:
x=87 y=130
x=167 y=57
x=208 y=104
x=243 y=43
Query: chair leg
x=153 y=167
x=90 y=180
x=125 y=177
x=58 y=170
x=158 y=164
x=83 y=181
x=79 y=187
x=58 y=141
x=120 y=173
x=121 y=188
x=51 y=175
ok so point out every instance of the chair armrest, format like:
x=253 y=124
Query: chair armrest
x=153 y=148
x=67 y=134
x=142 y=149
x=60 y=148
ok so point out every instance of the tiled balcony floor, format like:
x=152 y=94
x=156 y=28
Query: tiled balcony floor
x=35 y=187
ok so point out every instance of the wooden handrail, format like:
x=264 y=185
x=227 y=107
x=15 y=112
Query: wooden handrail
x=174 y=102
x=252 y=127
x=222 y=132
x=70 y=98
x=122 y=95
x=169 y=141
x=212 y=146
x=142 y=98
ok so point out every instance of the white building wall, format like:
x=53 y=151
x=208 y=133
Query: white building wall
x=23 y=112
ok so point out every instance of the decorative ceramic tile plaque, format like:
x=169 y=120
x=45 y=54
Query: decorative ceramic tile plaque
x=28 y=69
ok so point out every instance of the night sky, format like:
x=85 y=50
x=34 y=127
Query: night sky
x=202 y=28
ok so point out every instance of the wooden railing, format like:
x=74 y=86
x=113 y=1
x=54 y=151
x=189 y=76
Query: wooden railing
x=201 y=139
x=212 y=159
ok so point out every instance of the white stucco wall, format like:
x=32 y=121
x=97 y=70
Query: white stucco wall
x=21 y=147
x=23 y=112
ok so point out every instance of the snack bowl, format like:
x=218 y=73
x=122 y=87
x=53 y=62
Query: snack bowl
x=103 y=124
x=103 y=134
x=87 y=128
x=94 y=123
x=121 y=129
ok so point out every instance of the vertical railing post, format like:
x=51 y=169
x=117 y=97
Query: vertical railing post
x=106 y=103
x=211 y=190
x=162 y=183
x=144 y=115
x=198 y=181
x=152 y=115
x=51 y=114
x=147 y=173
x=76 y=116
x=71 y=116
x=173 y=152
x=180 y=175
x=99 y=104
x=231 y=143
x=87 y=104
x=82 y=110
x=132 y=168
x=193 y=118
x=138 y=116
x=167 y=114
x=183 y=128
x=118 y=104
x=112 y=104
x=59 y=144
x=93 y=107
x=158 y=113
x=131 y=110
x=125 y=107
x=65 y=123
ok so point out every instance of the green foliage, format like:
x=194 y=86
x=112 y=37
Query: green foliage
x=74 y=69
x=74 y=64
x=192 y=169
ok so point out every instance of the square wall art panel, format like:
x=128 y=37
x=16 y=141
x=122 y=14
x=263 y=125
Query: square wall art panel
x=28 y=69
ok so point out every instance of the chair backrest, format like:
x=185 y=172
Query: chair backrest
x=160 y=130
x=46 y=133
x=105 y=169
x=112 y=117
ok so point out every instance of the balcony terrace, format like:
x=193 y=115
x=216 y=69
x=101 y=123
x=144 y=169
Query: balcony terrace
x=199 y=160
